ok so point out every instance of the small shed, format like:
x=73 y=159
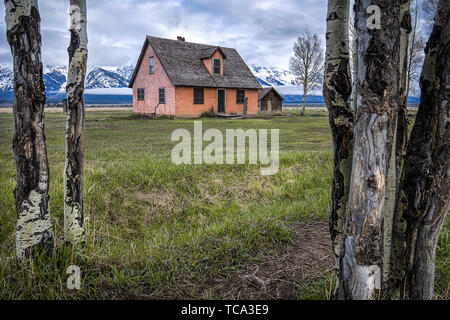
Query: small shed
x=269 y=100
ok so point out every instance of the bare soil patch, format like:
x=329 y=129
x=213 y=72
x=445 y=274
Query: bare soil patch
x=277 y=277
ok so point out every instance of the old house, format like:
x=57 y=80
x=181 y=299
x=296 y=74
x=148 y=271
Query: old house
x=270 y=100
x=178 y=78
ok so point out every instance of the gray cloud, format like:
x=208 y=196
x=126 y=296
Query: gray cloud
x=262 y=31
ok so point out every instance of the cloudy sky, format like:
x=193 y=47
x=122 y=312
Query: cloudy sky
x=262 y=31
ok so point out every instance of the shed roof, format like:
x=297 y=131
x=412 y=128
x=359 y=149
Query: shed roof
x=264 y=91
x=182 y=61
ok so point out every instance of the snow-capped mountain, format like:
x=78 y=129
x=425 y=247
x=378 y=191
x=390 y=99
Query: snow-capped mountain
x=55 y=77
x=99 y=77
x=273 y=76
x=6 y=78
x=126 y=72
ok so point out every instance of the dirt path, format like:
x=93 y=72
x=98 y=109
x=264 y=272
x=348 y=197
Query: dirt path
x=278 y=277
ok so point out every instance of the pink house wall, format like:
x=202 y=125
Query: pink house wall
x=151 y=83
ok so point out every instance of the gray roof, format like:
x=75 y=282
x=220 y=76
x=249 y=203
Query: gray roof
x=183 y=64
x=264 y=91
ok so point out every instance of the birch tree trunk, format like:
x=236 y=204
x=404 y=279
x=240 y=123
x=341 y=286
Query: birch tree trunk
x=398 y=132
x=337 y=91
x=405 y=64
x=34 y=227
x=425 y=186
x=73 y=172
x=355 y=74
x=378 y=83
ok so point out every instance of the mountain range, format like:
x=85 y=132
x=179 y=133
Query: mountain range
x=109 y=85
x=98 y=77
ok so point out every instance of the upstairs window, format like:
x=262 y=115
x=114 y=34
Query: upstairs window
x=141 y=94
x=217 y=66
x=151 y=65
x=240 y=96
x=198 y=96
x=162 y=95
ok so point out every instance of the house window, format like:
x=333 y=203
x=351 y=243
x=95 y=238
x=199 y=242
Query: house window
x=217 y=66
x=162 y=95
x=151 y=65
x=240 y=96
x=198 y=96
x=141 y=94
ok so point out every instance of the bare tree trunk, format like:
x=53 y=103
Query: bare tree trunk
x=425 y=185
x=399 y=133
x=337 y=91
x=34 y=227
x=355 y=75
x=73 y=173
x=378 y=51
x=304 y=101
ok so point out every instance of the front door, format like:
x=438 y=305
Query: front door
x=221 y=101
x=269 y=106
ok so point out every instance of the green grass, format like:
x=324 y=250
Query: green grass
x=152 y=226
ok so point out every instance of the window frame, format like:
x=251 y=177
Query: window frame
x=220 y=66
x=237 y=96
x=151 y=66
x=163 y=96
x=140 y=97
x=199 y=99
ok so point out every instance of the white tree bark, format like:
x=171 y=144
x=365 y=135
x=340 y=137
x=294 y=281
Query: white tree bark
x=378 y=52
x=337 y=90
x=73 y=172
x=34 y=227
x=398 y=136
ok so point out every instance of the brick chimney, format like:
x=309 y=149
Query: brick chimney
x=180 y=38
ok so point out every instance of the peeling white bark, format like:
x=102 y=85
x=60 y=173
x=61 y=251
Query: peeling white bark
x=377 y=100
x=73 y=172
x=32 y=228
x=337 y=90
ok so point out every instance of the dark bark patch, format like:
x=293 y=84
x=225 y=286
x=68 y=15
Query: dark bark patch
x=74 y=44
x=332 y=16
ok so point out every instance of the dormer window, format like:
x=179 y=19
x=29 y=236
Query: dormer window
x=217 y=66
x=151 y=65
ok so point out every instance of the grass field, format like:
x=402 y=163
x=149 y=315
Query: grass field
x=157 y=230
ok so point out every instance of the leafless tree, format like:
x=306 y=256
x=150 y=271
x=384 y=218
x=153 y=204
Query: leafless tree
x=416 y=47
x=73 y=172
x=385 y=228
x=353 y=49
x=337 y=92
x=307 y=63
x=34 y=227
x=430 y=9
